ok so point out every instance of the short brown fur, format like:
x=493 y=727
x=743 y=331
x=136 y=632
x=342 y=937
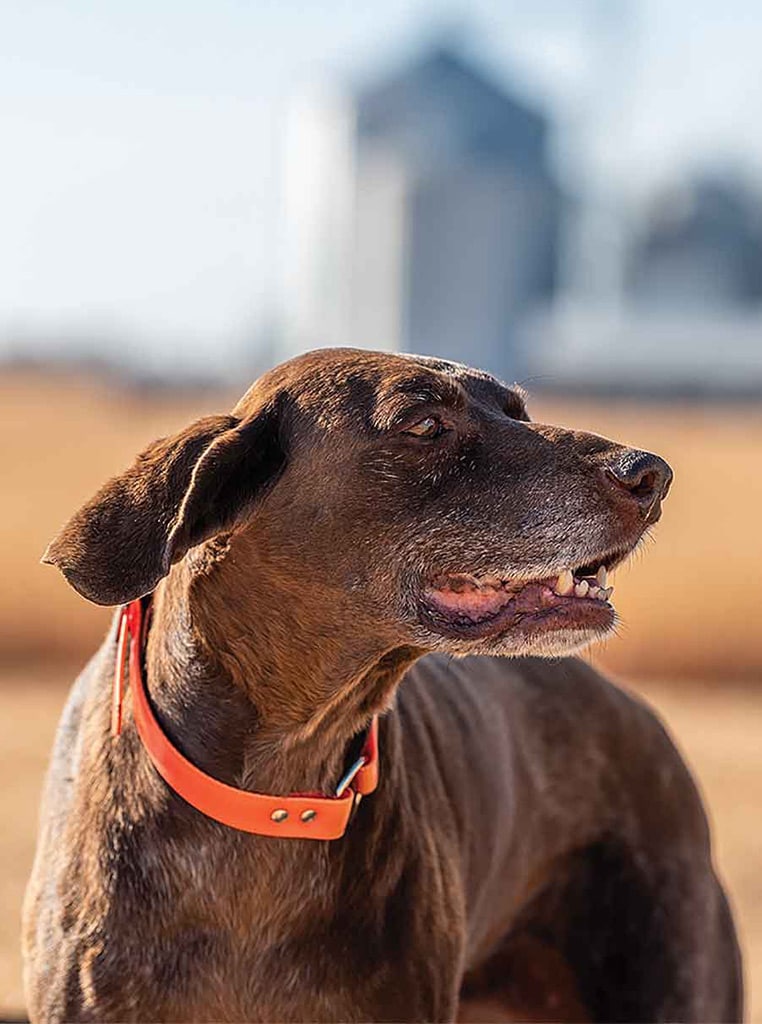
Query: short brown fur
x=536 y=846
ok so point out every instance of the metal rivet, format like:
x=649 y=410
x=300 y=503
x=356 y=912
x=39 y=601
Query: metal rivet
x=308 y=815
x=279 y=815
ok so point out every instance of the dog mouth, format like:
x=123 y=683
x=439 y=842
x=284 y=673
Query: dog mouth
x=576 y=598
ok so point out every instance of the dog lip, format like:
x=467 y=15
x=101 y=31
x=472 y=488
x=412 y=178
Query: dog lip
x=585 y=566
x=470 y=605
x=548 y=613
x=608 y=559
x=463 y=605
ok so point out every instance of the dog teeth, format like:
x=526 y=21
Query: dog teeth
x=565 y=583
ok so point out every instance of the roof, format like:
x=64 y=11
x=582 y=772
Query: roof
x=444 y=108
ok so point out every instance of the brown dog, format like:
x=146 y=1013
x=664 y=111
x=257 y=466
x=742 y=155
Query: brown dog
x=535 y=840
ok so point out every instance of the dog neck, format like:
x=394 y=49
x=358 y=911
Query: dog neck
x=257 y=689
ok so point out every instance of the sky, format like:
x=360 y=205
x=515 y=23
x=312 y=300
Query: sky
x=142 y=142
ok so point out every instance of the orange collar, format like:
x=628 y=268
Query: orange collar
x=299 y=816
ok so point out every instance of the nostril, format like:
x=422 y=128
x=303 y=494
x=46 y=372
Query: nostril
x=645 y=476
x=646 y=486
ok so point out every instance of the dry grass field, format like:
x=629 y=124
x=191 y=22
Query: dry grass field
x=690 y=641
x=687 y=604
x=718 y=731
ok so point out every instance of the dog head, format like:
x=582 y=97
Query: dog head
x=409 y=494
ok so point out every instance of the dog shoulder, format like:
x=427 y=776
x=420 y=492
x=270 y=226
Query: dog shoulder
x=573 y=725
x=619 y=735
x=42 y=933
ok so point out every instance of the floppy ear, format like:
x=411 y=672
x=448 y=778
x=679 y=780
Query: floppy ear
x=180 y=491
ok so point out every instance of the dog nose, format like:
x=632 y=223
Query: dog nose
x=645 y=476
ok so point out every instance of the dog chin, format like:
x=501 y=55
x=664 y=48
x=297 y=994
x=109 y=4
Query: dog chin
x=546 y=645
x=558 y=644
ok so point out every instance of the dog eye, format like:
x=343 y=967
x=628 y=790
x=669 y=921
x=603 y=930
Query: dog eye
x=428 y=427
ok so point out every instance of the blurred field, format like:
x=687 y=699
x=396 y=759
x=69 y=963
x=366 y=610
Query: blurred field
x=60 y=438
x=718 y=730
x=690 y=603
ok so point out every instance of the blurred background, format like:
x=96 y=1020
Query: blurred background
x=567 y=193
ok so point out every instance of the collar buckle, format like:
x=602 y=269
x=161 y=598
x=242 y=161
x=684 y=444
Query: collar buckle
x=349 y=776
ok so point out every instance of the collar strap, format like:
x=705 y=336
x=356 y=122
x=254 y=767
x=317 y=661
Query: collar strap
x=299 y=816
